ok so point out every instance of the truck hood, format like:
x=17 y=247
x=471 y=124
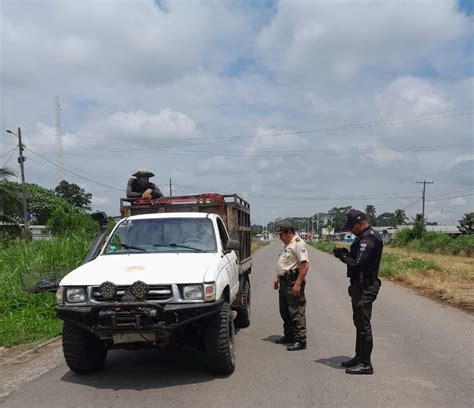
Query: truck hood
x=124 y=269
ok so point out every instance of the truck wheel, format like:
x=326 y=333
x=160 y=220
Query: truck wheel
x=219 y=342
x=83 y=351
x=243 y=314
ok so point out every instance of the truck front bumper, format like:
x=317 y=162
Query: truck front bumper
x=128 y=317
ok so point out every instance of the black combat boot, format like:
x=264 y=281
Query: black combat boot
x=360 y=368
x=355 y=360
x=351 y=363
x=297 y=345
x=284 y=340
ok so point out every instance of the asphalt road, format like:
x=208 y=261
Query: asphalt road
x=423 y=357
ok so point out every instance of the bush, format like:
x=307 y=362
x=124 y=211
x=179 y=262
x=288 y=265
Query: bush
x=433 y=241
x=66 y=219
x=402 y=238
x=462 y=244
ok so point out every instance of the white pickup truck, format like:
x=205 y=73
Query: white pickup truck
x=168 y=277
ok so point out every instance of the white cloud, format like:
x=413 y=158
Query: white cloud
x=199 y=73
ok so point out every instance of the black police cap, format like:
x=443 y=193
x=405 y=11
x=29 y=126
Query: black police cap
x=353 y=217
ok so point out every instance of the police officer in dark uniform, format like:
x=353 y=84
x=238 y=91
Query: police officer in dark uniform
x=363 y=261
x=140 y=186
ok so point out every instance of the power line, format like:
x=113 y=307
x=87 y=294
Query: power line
x=336 y=152
x=361 y=125
x=73 y=173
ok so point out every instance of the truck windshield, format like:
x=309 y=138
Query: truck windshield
x=162 y=235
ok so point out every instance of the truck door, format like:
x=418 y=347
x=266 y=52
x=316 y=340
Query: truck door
x=232 y=266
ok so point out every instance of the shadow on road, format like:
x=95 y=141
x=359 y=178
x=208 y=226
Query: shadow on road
x=334 y=362
x=271 y=338
x=146 y=369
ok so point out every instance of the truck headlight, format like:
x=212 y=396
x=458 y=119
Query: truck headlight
x=209 y=292
x=59 y=296
x=193 y=292
x=75 y=295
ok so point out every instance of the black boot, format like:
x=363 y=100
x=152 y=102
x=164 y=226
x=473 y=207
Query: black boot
x=351 y=363
x=284 y=340
x=355 y=360
x=297 y=345
x=360 y=368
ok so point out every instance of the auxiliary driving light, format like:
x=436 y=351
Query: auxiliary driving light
x=108 y=290
x=139 y=289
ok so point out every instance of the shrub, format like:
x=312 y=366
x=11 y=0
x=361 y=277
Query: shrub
x=402 y=238
x=433 y=241
x=462 y=243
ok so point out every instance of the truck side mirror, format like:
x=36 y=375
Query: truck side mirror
x=46 y=285
x=232 y=244
x=101 y=218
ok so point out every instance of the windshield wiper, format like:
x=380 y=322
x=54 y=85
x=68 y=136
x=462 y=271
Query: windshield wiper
x=180 y=246
x=135 y=247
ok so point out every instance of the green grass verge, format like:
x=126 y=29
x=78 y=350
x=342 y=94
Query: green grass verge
x=391 y=264
x=26 y=317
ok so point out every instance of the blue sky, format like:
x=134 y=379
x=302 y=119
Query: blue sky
x=299 y=106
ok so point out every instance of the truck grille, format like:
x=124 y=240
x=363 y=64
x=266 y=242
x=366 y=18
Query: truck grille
x=155 y=292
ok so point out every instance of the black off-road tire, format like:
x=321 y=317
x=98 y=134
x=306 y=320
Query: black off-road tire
x=219 y=342
x=84 y=352
x=243 y=314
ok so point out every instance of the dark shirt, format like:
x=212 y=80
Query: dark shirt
x=135 y=189
x=363 y=260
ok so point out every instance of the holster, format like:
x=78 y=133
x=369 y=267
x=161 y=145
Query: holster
x=293 y=274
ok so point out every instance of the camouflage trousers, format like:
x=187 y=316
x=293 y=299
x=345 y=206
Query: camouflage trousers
x=293 y=311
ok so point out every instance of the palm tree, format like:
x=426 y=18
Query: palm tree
x=370 y=214
x=400 y=217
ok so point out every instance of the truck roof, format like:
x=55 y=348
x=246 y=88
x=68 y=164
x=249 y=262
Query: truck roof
x=172 y=215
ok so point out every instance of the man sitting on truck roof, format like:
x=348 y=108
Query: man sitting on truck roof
x=139 y=186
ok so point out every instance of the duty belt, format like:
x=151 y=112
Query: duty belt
x=291 y=275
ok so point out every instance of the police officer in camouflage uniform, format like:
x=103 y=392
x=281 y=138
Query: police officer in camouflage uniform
x=362 y=262
x=290 y=280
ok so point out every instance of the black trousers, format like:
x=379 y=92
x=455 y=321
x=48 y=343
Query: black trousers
x=362 y=300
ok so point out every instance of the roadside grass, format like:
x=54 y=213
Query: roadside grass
x=256 y=244
x=448 y=278
x=26 y=317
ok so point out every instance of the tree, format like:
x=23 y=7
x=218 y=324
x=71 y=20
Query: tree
x=418 y=226
x=74 y=195
x=370 y=214
x=337 y=217
x=400 y=217
x=385 y=219
x=10 y=204
x=466 y=224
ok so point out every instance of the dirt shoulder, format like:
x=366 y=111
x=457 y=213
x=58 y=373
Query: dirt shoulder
x=22 y=364
x=447 y=278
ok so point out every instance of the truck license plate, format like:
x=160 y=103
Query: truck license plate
x=133 y=337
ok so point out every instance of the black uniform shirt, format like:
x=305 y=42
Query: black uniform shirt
x=363 y=260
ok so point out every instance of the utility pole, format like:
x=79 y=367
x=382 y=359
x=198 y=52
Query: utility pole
x=424 y=195
x=171 y=190
x=21 y=160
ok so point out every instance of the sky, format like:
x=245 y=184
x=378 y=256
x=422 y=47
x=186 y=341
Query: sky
x=298 y=106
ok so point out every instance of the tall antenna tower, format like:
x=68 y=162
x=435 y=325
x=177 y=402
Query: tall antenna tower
x=59 y=140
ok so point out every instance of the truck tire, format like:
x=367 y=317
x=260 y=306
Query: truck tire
x=219 y=342
x=84 y=352
x=243 y=314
